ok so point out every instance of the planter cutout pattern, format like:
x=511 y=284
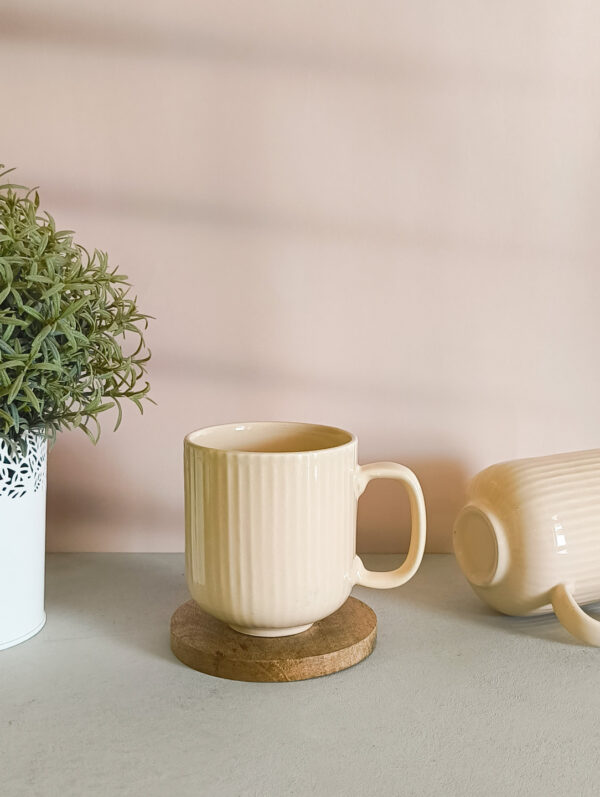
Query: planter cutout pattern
x=22 y=474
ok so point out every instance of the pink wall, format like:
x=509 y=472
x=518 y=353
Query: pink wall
x=378 y=215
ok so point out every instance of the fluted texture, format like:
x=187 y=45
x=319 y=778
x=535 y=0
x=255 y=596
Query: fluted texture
x=549 y=510
x=270 y=538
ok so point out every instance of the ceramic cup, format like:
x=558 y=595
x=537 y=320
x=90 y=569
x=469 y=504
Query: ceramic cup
x=528 y=539
x=270 y=517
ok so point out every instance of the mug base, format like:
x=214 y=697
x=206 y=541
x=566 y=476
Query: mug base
x=271 y=632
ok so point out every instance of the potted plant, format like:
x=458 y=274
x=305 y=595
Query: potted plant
x=71 y=348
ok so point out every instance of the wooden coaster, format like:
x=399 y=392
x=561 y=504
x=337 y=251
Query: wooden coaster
x=335 y=643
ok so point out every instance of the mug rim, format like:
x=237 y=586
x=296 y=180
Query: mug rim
x=351 y=438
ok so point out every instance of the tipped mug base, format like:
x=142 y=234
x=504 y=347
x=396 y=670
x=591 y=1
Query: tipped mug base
x=271 y=632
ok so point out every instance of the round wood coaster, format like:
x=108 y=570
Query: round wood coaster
x=335 y=643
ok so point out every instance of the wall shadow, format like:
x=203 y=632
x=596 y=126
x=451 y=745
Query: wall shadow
x=96 y=503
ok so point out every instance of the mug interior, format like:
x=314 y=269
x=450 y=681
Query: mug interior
x=270 y=438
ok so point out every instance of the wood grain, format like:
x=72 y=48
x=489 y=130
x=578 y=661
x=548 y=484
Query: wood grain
x=335 y=643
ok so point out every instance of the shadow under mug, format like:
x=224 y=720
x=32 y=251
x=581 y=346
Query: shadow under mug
x=270 y=518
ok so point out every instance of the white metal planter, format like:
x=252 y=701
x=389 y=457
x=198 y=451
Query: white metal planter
x=22 y=540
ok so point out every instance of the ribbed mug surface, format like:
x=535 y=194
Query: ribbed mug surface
x=271 y=523
x=530 y=525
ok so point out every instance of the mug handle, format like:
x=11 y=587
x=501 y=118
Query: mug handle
x=394 y=578
x=573 y=618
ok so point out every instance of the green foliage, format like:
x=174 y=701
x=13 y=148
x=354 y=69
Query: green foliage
x=61 y=314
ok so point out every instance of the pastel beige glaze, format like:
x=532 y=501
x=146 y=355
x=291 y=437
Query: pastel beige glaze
x=271 y=523
x=528 y=539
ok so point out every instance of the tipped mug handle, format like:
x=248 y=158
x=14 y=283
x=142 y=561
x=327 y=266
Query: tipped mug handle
x=395 y=578
x=572 y=616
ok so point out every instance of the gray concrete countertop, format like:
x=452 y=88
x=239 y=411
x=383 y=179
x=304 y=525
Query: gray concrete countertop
x=455 y=700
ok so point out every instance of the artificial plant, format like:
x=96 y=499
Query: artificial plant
x=71 y=335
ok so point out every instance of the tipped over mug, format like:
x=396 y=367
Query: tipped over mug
x=270 y=518
x=528 y=539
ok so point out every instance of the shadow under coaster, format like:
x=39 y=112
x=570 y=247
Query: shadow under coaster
x=339 y=641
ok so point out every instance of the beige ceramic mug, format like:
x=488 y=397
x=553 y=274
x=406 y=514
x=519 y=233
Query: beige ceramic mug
x=528 y=539
x=270 y=517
